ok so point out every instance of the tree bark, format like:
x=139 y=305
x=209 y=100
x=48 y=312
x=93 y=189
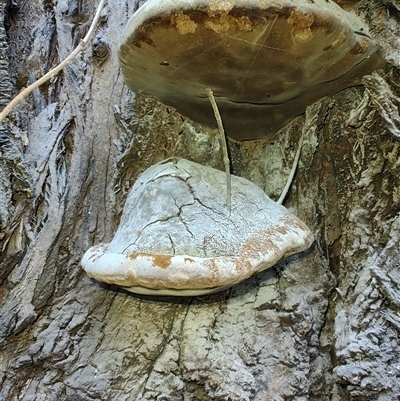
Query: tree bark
x=323 y=325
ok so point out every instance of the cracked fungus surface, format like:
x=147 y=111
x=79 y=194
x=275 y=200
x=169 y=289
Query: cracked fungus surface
x=179 y=208
x=264 y=61
x=176 y=232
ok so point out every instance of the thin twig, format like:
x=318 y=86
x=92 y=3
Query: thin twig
x=56 y=69
x=292 y=171
x=224 y=147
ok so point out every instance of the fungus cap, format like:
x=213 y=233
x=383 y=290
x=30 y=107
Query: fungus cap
x=265 y=61
x=176 y=236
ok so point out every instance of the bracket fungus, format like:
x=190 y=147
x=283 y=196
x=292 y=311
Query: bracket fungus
x=266 y=61
x=176 y=236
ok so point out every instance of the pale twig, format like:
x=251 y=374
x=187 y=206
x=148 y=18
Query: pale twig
x=224 y=147
x=56 y=69
x=292 y=171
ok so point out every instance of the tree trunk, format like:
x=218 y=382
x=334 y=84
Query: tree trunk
x=324 y=325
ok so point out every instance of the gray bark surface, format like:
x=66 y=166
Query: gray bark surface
x=324 y=325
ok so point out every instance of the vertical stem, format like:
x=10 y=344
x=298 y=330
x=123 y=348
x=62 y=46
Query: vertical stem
x=224 y=147
x=292 y=171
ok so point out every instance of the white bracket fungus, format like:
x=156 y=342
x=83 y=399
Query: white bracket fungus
x=265 y=61
x=176 y=236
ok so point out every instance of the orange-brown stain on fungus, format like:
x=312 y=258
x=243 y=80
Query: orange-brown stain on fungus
x=258 y=245
x=133 y=256
x=213 y=268
x=244 y=24
x=301 y=25
x=221 y=23
x=184 y=24
x=162 y=261
x=282 y=230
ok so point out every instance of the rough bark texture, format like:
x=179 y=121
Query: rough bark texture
x=322 y=326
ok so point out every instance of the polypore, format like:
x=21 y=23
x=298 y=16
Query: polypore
x=176 y=236
x=265 y=60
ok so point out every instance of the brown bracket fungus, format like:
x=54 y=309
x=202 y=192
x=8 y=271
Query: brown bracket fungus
x=176 y=236
x=265 y=61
